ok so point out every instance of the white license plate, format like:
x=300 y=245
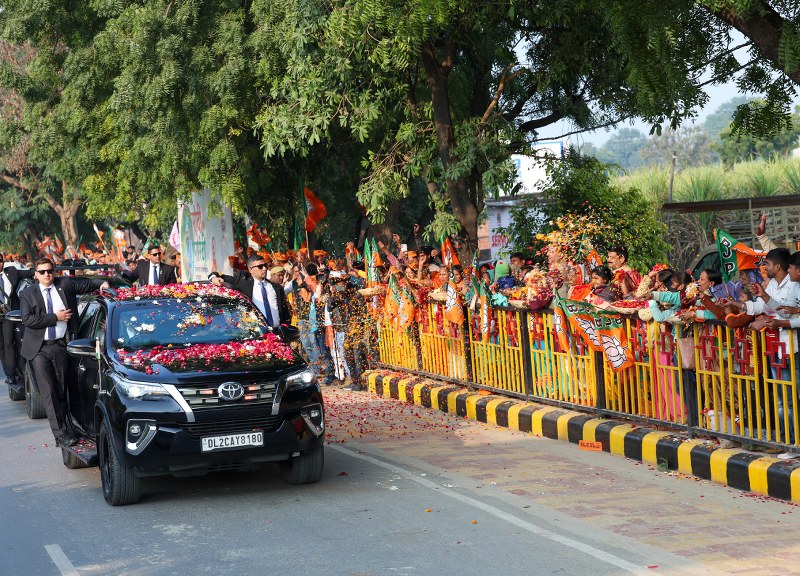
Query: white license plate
x=230 y=441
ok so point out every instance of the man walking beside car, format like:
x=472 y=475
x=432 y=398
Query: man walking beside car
x=50 y=315
x=152 y=271
x=9 y=280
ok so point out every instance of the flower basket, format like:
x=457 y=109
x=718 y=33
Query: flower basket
x=371 y=291
x=438 y=295
x=540 y=302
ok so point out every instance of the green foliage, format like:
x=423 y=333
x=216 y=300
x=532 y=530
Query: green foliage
x=582 y=185
x=736 y=147
x=623 y=148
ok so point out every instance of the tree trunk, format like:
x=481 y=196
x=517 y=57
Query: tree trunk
x=383 y=231
x=67 y=212
x=761 y=24
x=464 y=209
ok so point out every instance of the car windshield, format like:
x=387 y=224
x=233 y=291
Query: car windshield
x=149 y=323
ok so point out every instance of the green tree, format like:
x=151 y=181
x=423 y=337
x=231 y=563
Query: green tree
x=581 y=185
x=691 y=146
x=722 y=117
x=736 y=147
x=623 y=148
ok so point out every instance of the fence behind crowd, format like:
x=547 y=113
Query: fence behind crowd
x=736 y=384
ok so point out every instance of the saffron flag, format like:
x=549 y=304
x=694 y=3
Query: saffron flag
x=376 y=255
x=453 y=307
x=560 y=323
x=449 y=256
x=736 y=256
x=602 y=331
x=593 y=260
x=369 y=264
x=405 y=311
x=392 y=303
x=315 y=210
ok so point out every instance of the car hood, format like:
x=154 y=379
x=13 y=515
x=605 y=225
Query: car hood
x=222 y=372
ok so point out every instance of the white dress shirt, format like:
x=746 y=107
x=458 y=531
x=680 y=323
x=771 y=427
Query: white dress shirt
x=7 y=288
x=272 y=301
x=781 y=294
x=58 y=304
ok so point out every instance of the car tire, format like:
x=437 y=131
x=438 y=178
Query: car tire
x=71 y=461
x=120 y=485
x=304 y=469
x=33 y=400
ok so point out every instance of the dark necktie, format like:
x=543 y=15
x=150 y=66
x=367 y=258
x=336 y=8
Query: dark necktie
x=51 y=330
x=155 y=274
x=267 y=309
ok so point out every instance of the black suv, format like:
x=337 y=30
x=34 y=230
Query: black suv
x=165 y=384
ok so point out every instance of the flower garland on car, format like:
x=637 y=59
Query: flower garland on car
x=270 y=348
x=179 y=291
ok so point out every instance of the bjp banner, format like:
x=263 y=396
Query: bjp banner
x=453 y=306
x=392 y=301
x=602 y=331
x=449 y=256
x=560 y=323
x=735 y=256
x=405 y=310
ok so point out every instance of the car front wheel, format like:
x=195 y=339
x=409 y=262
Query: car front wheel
x=304 y=469
x=120 y=485
x=33 y=402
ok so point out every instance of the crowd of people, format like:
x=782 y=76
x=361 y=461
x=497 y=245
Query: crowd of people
x=336 y=303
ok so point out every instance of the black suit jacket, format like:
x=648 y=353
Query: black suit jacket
x=34 y=310
x=244 y=283
x=166 y=273
x=14 y=276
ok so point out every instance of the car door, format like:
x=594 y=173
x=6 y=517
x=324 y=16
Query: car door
x=83 y=370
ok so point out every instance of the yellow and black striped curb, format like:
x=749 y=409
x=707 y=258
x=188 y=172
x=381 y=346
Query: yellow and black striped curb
x=731 y=467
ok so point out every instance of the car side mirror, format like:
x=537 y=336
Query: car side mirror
x=13 y=316
x=82 y=347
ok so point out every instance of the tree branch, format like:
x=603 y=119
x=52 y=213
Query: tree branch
x=763 y=25
x=15 y=182
x=500 y=86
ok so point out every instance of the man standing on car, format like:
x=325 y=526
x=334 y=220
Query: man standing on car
x=152 y=270
x=9 y=279
x=50 y=315
x=267 y=296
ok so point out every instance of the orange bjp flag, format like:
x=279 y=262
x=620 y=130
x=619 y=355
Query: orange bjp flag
x=315 y=210
x=453 y=307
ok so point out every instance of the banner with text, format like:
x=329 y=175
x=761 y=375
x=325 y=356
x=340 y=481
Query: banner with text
x=206 y=241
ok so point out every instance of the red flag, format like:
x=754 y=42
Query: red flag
x=315 y=210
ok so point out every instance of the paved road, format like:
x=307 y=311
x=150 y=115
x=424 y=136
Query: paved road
x=406 y=491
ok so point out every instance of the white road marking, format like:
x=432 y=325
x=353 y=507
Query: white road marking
x=60 y=560
x=510 y=518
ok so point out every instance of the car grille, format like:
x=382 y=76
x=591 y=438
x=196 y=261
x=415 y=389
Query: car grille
x=197 y=430
x=207 y=396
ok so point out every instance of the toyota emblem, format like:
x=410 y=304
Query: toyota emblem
x=230 y=391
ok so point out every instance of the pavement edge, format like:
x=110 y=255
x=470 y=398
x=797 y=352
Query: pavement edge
x=736 y=467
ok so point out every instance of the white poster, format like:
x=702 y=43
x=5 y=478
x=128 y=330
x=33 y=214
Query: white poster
x=206 y=241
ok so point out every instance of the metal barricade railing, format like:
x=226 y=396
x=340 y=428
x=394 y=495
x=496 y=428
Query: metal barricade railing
x=732 y=383
x=497 y=359
x=442 y=343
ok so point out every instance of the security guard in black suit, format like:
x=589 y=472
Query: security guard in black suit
x=9 y=281
x=50 y=315
x=152 y=272
x=256 y=287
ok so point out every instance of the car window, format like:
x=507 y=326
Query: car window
x=180 y=322
x=89 y=314
x=99 y=328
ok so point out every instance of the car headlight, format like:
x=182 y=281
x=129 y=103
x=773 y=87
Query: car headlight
x=140 y=390
x=302 y=379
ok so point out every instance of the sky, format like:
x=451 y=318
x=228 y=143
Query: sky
x=718 y=95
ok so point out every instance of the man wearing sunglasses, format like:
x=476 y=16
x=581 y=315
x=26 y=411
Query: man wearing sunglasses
x=9 y=280
x=152 y=270
x=267 y=296
x=50 y=314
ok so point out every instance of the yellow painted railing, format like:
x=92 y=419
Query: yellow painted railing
x=735 y=383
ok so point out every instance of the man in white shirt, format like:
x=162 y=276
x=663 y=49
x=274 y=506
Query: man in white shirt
x=779 y=293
